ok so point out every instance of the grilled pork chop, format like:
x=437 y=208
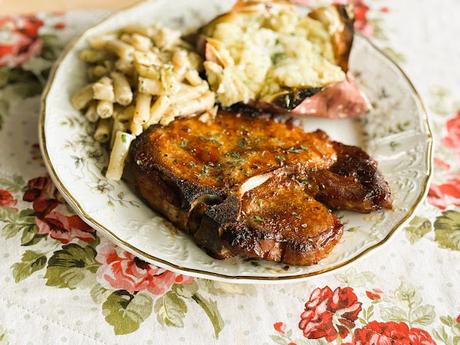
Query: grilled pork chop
x=254 y=187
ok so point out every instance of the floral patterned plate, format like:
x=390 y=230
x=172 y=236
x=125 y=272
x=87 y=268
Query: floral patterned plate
x=396 y=133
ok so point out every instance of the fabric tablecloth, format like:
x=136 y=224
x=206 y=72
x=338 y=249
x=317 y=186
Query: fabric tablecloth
x=62 y=283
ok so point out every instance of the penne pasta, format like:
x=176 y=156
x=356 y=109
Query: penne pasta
x=124 y=66
x=94 y=56
x=151 y=72
x=188 y=93
x=104 y=109
x=91 y=113
x=121 y=89
x=141 y=113
x=165 y=38
x=81 y=99
x=118 y=155
x=146 y=58
x=117 y=126
x=139 y=29
x=140 y=76
x=190 y=107
x=141 y=42
x=150 y=86
x=97 y=72
x=158 y=110
x=99 y=42
x=125 y=114
x=103 y=90
x=103 y=130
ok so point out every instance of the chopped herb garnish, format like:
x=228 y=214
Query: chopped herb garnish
x=191 y=164
x=211 y=139
x=287 y=101
x=183 y=143
x=123 y=138
x=258 y=219
x=233 y=154
x=296 y=149
x=280 y=159
x=277 y=57
x=242 y=143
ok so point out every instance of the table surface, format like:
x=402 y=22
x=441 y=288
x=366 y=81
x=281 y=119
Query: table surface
x=61 y=283
x=8 y=7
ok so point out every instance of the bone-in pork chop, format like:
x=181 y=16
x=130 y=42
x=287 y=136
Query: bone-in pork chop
x=251 y=186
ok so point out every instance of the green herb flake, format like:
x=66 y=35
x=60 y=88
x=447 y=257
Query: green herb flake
x=233 y=154
x=123 y=138
x=297 y=149
x=277 y=57
x=258 y=219
x=183 y=143
x=242 y=143
x=211 y=139
x=280 y=159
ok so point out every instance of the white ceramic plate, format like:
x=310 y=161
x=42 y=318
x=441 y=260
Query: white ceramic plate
x=396 y=133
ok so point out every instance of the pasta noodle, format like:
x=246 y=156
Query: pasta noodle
x=118 y=155
x=103 y=90
x=140 y=76
x=121 y=89
x=141 y=113
x=103 y=130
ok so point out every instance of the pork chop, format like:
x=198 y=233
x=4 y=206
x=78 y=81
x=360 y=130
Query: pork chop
x=254 y=187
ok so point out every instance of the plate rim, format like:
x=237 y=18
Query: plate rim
x=199 y=272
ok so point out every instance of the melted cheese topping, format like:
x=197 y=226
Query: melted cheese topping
x=253 y=55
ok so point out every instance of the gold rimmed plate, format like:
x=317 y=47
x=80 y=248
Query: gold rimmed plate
x=396 y=133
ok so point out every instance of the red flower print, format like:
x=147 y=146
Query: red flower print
x=122 y=270
x=441 y=164
x=280 y=327
x=52 y=215
x=445 y=194
x=329 y=314
x=375 y=294
x=362 y=23
x=7 y=199
x=19 y=40
x=389 y=333
x=458 y=318
x=452 y=140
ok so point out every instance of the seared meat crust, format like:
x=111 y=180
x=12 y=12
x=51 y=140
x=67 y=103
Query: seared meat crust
x=251 y=186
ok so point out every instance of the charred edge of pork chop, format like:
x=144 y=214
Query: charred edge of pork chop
x=259 y=225
x=244 y=241
x=352 y=183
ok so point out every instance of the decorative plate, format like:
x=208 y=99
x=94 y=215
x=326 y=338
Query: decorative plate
x=396 y=133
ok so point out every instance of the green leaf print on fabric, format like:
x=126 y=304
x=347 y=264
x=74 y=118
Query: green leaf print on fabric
x=417 y=228
x=406 y=305
x=30 y=262
x=99 y=293
x=449 y=325
x=72 y=266
x=16 y=222
x=125 y=311
x=210 y=308
x=447 y=230
x=352 y=277
x=14 y=185
x=170 y=309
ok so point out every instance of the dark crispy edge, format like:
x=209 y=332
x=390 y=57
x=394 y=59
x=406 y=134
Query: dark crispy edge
x=247 y=242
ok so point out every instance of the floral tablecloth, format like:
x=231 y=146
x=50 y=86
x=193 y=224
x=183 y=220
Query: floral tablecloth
x=62 y=283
